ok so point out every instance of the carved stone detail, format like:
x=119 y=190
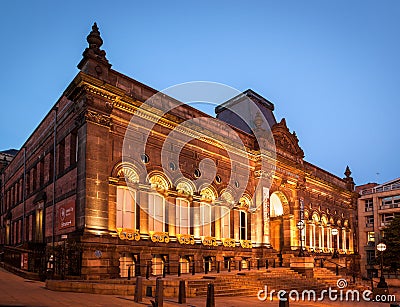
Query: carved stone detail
x=98 y=118
x=209 y=241
x=185 y=239
x=159 y=236
x=246 y=244
x=228 y=242
x=128 y=234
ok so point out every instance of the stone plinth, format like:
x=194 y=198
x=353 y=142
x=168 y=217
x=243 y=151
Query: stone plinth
x=303 y=265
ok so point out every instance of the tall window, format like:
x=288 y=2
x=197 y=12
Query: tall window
x=156 y=212
x=126 y=203
x=243 y=226
x=182 y=220
x=205 y=219
x=225 y=222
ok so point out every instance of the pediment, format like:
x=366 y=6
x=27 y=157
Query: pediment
x=285 y=140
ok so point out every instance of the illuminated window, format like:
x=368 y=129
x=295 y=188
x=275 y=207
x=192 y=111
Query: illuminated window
x=126 y=203
x=370 y=237
x=182 y=221
x=225 y=222
x=156 y=212
x=205 y=219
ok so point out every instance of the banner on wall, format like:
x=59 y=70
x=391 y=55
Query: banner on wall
x=66 y=215
x=266 y=210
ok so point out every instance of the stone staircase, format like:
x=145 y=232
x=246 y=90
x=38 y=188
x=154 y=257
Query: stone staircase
x=250 y=282
x=330 y=279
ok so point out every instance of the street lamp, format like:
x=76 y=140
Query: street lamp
x=381 y=247
x=335 y=232
x=300 y=226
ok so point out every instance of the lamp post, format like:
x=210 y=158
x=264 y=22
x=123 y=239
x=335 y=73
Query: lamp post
x=300 y=226
x=335 y=232
x=381 y=247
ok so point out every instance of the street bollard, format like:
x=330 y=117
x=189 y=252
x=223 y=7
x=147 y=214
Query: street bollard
x=182 y=292
x=210 y=295
x=138 y=289
x=284 y=300
x=159 y=292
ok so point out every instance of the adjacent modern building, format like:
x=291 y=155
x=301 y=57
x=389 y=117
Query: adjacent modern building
x=377 y=206
x=74 y=204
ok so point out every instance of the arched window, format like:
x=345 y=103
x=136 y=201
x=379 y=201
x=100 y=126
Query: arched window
x=182 y=222
x=126 y=205
x=276 y=208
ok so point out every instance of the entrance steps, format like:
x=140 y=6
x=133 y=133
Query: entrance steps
x=248 y=283
x=330 y=278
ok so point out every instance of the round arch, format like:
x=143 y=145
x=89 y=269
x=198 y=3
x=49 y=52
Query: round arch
x=279 y=205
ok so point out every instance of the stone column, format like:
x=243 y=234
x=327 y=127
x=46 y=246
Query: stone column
x=344 y=238
x=351 y=247
x=310 y=232
x=337 y=240
x=323 y=237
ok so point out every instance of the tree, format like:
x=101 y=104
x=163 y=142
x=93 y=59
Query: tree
x=392 y=240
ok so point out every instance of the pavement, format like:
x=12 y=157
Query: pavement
x=17 y=291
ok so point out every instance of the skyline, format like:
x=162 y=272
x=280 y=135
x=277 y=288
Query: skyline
x=329 y=69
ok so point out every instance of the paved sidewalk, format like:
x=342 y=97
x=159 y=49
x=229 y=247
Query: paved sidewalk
x=17 y=291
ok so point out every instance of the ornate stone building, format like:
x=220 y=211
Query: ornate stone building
x=70 y=197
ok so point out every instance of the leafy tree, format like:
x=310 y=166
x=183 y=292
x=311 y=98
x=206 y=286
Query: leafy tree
x=392 y=240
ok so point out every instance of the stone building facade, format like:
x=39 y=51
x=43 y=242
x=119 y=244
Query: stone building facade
x=73 y=204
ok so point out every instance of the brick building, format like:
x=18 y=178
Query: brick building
x=377 y=206
x=71 y=198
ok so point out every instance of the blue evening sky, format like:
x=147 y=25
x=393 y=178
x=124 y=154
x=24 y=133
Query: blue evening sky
x=332 y=68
